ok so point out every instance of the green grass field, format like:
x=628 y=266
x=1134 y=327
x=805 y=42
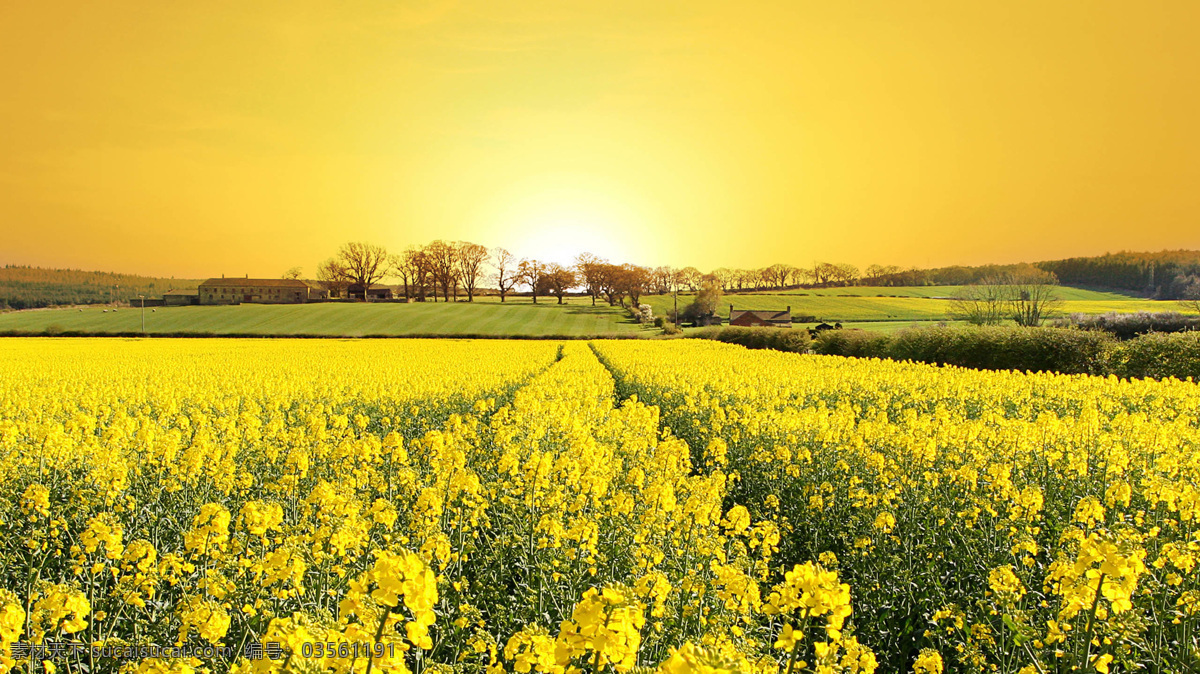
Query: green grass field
x=1064 y=292
x=868 y=308
x=487 y=317
x=518 y=318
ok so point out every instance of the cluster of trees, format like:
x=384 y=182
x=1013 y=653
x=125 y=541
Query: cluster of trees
x=1168 y=274
x=448 y=268
x=25 y=287
x=773 y=277
x=1026 y=295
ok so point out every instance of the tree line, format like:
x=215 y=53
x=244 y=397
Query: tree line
x=1166 y=275
x=448 y=269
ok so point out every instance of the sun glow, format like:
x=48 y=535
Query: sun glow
x=562 y=217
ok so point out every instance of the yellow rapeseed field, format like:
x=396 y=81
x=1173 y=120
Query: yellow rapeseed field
x=498 y=506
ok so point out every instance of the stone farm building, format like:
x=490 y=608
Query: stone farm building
x=179 y=298
x=355 y=292
x=778 y=319
x=253 y=290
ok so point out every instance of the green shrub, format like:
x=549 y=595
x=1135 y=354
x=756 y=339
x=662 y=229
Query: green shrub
x=779 y=339
x=1130 y=325
x=1006 y=348
x=671 y=329
x=1158 y=355
x=985 y=348
x=853 y=343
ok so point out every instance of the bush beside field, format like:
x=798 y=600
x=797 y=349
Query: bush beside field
x=794 y=341
x=1128 y=326
x=1067 y=351
x=1158 y=356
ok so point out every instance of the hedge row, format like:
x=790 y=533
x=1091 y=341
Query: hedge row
x=1128 y=326
x=1158 y=355
x=796 y=341
x=1036 y=349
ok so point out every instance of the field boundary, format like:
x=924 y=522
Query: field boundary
x=244 y=335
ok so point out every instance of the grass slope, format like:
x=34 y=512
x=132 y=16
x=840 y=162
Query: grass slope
x=907 y=309
x=517 y=319
x=1065 y=292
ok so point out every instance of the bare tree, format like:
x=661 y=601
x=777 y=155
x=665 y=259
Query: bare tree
x=824 y=272
x=1034 y=296
x=530 y=273
x=725 y=277
x=876 y=272
x=690 y=277
x=416 y=265
x=802 y=275
x=662 y=277
x=412 y=268
x=443 y=259
x=333 y=277
x=762 y=278
x=293 y=273
x=611 y=282
x=589 y=269
x=1190 y=294
x=558 y=280
x=402 y=272
x=635 y=279
x=776 y=275
x=471 y=257
x=362 y=264
x=983 y=303
x=744 y=277
x=845 y=273
x=505 y=264
x=788 y=275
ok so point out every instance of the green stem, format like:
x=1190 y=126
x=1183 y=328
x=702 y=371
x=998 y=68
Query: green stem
x=792 y=657
x=1087 y=634
x=378 y=637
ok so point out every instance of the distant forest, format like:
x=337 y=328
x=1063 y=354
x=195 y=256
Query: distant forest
x=24 y=287
x=1163 y=275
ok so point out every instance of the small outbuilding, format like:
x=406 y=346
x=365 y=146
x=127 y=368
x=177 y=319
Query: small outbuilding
x=747 y=318
x=180 y=298
x=355 y=292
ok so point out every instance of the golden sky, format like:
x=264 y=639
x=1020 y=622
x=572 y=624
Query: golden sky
x=199 y=138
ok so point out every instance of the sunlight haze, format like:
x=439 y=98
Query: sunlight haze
x=195 y=139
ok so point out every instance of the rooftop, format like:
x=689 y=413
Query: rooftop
x=261 y=282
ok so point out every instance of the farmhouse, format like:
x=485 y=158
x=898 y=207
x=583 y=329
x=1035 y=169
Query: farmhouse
x=253 y=290
x=778 y=319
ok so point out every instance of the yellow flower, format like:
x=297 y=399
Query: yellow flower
x=36 y=500
x=885 y=522
x=207 y=617
x=103 y=529
x=605 y=622
x=258 y=517
x=928 y=661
